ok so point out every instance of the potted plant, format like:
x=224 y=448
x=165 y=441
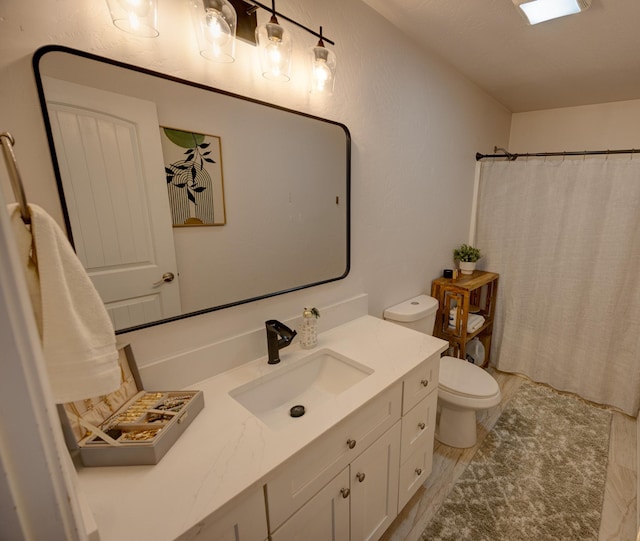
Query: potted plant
x=466 y=255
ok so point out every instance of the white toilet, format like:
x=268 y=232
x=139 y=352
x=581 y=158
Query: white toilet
x=463 y=389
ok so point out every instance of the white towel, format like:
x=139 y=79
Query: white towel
x=78 y=340
x=474 y=322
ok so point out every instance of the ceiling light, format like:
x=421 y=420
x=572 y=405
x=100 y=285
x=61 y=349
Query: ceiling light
x=539 y=11
x=275 y=47
x=138 y=17
x=323 y=68
x=215 y=25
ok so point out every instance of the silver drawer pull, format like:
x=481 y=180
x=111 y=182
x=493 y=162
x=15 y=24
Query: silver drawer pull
x=345 y=492
x=418 y=472
x=421 y=426
x=424 y=382
x=360 y=476
x=351 y=443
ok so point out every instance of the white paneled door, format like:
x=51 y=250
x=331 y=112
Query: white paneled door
x=110 y=158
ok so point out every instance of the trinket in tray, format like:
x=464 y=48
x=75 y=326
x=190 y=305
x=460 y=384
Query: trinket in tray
x=130 y=426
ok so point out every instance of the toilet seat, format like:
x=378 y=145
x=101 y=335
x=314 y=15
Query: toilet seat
x=465 y=379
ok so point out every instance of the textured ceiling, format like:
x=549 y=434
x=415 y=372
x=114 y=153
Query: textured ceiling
x=592 y=57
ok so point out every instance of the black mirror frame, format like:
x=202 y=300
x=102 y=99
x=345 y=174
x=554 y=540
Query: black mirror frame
x=37 y=57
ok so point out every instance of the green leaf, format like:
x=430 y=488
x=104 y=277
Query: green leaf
x=183 y=139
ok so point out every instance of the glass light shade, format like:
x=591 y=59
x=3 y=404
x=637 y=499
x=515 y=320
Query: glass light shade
x=323 y=70
x=215 y=23
x=275 y=47
x=539 y=11
x=138 y=17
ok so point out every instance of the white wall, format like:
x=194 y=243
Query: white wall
x=415 y=124
x=589 y=127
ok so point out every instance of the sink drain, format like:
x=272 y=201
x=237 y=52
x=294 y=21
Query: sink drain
x=297 y=411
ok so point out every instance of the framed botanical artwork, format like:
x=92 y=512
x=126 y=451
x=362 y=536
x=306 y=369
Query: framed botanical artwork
x=193 y=167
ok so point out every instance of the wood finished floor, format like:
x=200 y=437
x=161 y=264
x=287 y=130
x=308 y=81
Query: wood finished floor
x=619 y=513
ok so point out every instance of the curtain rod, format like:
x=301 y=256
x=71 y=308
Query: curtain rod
x=515 y=156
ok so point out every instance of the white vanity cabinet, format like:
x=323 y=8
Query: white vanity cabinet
x=343 y=471
x=359 y=503
x=351 y=482
x=306 y=473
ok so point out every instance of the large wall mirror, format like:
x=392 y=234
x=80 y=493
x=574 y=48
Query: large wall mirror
x=182 y=199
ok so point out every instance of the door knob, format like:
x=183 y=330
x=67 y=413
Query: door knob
x=351 y=443
x=421 y=426
x=166 y=277
x=345 y=492
x=424 y=382
x=360 y=476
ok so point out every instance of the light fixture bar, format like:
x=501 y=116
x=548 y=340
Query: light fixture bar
x=280 y=15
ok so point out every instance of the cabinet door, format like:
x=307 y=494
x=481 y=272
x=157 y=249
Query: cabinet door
x=309 y=470
x=374 y=487
x=325 y=517
x=418 y=426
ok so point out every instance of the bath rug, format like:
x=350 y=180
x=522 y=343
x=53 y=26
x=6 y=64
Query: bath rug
x=538 y=475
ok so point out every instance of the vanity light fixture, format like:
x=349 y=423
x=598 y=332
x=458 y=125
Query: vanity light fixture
x=323 y=68
x=539 y=11
x=215 y=23
x=218 y=23
x=138 y=17
x=275 y=47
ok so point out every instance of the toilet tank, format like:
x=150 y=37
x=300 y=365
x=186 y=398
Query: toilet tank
x=418 y=313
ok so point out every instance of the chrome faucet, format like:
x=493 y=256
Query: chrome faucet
x=278 y=336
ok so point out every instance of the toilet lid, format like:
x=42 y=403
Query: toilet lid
x=464 y=378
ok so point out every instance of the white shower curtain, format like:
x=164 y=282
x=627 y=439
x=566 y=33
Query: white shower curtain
x=565 y=237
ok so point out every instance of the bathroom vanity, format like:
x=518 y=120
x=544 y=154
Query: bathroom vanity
x=245 y=469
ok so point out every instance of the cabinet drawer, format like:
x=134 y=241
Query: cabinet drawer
x=414 y=472
x=418 y=426
x=420 y=382
x=307 y=472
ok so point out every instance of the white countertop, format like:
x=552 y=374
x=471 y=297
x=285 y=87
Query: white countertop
x=226 y=449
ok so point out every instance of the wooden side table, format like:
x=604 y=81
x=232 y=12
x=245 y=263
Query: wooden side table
x=469 y=293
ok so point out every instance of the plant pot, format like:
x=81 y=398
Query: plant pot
x=467 y=267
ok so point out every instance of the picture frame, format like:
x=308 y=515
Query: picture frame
x=195 y=183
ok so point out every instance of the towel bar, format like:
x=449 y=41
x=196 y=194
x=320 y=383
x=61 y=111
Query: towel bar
x=7 y=141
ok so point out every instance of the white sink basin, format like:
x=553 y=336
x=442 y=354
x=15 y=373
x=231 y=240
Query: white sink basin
x=310 y=382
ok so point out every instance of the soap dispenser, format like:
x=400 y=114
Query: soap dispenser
x=309 y=328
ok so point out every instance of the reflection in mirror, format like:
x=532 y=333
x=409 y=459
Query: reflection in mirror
x=275 y=182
